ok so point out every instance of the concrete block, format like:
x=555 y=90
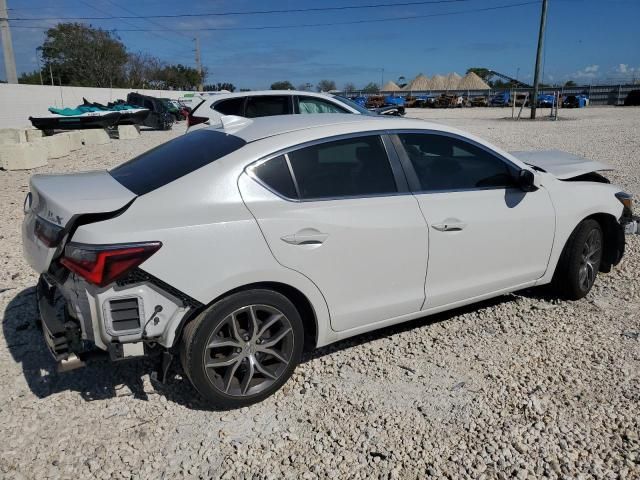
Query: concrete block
x=33 y=134
x=75 y=139
x=127 y=132
x=57 y=145
x=23 y=156
x=94 y=136
x=12 y=135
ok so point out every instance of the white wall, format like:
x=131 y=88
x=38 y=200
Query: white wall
x=19 y=102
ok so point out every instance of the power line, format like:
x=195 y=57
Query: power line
x=257 y=12
x=329 y=24
x=149 y=21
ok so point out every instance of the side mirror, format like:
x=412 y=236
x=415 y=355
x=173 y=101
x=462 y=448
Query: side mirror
x=525 y=181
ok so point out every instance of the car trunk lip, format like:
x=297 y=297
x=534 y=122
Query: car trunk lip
x=61 y=200
x=562 y=165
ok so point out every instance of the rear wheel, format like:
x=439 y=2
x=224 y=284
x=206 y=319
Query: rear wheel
x=243 y=348
x=580 y=261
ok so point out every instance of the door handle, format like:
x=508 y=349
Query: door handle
x=450 y=225
x=307 y=236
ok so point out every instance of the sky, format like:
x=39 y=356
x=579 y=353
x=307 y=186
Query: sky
x=588 y=41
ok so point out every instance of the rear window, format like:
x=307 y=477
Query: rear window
x=175 y=159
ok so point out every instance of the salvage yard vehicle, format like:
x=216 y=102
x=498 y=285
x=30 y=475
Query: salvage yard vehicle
x=277 y=235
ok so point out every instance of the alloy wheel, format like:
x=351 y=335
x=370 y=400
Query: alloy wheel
x=590 y=260
x=249 y=350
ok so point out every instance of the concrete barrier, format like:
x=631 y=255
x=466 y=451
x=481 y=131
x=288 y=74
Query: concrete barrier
x=57 y=145
x=94 y=136
x=33 y=134
x=23 y=156
x=12 y=135
x=127 y=132
x=75 y=139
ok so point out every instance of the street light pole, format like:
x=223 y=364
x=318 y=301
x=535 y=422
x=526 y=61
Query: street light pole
x=7 y=45
x=536 y=78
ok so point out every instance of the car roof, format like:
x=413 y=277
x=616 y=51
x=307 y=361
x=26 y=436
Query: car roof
x=254 y=129
x=215 y=96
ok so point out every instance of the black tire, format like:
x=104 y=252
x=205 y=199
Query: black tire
x=210 y=327
x=569 y=278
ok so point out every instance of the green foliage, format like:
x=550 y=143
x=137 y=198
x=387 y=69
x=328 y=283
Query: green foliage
x=216 y=87
x=31 y=78
x=80 y=55
x=570 y=83
x=282 y=85
x=371 y=87
x=326 y=85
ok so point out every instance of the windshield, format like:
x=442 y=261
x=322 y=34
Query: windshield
x=354 y=105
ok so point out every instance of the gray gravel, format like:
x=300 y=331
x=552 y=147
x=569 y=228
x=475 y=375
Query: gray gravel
x=519 y=387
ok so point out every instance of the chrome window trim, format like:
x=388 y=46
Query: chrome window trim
x=391 y=157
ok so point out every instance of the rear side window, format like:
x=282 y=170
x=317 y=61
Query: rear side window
x=268 y=105
x=275 y=174
x=343 y=168
x=233 y=106
x=174 y=159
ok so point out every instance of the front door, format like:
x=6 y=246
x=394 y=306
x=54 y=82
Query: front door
x=485 y=234
x=342 y=222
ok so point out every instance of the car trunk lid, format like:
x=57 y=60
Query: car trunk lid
x=54 y=205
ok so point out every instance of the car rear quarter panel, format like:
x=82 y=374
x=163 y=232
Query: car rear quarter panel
x=211 y=244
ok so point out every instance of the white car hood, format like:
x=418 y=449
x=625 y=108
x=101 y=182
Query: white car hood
x=563 y=165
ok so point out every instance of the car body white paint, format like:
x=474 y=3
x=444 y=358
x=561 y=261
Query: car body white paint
x=207 y=110
x=382 y=262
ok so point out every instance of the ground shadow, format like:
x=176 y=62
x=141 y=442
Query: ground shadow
x=102 y=379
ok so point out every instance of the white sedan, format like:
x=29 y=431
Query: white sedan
x=237 y=248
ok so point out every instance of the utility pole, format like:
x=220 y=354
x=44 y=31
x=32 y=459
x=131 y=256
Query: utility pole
x=536 y=78
x=199 y=63
x=7 y=45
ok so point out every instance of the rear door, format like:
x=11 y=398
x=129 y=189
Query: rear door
x=346 y=221
x=268 y=105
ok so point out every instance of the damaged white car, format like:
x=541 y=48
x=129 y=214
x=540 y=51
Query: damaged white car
x=237 y=248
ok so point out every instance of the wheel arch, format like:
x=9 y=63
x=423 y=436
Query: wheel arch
x=613 y=238
x=295 y=296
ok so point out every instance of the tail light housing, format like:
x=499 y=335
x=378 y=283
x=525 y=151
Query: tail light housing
x=193 y=120
x=104 y=264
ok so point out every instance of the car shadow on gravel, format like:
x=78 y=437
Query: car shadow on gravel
x=101 y=379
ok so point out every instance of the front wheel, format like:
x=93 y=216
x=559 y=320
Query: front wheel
x=243 y=348
x=580 y=261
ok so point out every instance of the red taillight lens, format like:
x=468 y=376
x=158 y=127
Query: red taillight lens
x=104 y=264
x=49 y=233
x=193 y=120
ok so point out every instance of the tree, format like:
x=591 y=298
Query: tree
x=305 y=87
x=371 y=87
x=31 y=78
x=84 y=56
x=282 y=85
x=349 y=87
x=570 y=83
x=326 y=85
x=142 y=70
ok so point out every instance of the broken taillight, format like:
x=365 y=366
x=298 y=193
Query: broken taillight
x=49 y=233
x=104 y=264
x=193 y=120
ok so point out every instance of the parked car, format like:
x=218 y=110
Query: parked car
x=159 y=116
x=277 y=102
x=575 y=101
x=546 y=100
x=633 y=98
x=237 y=248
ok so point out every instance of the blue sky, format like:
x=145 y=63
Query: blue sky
x=588 y=41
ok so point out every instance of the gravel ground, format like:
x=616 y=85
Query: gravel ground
x=520 y=387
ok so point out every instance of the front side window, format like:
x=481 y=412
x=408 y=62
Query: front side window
x=343 y=168
x=317 y=105
x=447 y=163
x=267 y=105
x=232 y=106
